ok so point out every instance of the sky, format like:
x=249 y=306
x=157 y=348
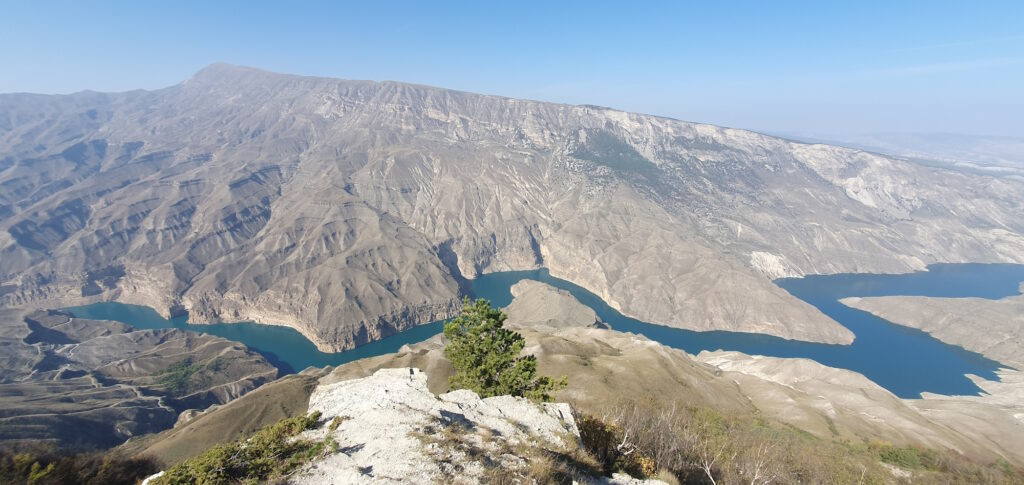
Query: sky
x=817 y=68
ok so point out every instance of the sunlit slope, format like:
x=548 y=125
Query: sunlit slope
x=351 y=210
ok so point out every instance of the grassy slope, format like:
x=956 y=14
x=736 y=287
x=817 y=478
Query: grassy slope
x=284 y=398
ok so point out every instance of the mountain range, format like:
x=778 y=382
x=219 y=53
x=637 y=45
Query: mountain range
x=351 y=210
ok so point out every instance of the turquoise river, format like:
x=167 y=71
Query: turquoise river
x=905 y=361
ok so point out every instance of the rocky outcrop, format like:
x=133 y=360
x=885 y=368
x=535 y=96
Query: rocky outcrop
x=391 y=429
x=351 y=209
x=88 y=383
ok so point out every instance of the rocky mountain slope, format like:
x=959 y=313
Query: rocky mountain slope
x=285 y=397
x=809 y=395
x=351 y=210
x=88 y=383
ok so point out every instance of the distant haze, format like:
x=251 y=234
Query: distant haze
x=827 y=67
x=992 y=154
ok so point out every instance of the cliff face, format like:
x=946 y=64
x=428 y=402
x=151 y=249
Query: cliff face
x=351 y=210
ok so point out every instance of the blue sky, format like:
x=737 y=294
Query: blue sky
x=790 y=67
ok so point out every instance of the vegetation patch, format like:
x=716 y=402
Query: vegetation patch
x=44 y=465
x=832 y=426
x=907 y=457
x=337 y=422
x=604 y=148
x=272 y=453
x=487 y=356
x=188 y=376
x=701 y=445
x=179 y=378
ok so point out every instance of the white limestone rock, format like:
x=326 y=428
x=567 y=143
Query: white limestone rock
x=394 y=429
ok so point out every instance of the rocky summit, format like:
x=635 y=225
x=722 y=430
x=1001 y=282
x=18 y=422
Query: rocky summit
x=351 y=210
x=392 y=428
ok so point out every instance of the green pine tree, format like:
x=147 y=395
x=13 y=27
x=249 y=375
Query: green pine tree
x=486 y=356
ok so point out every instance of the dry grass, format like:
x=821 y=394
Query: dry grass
x=284 y=398
x=666 y=476
x=269 y=455
x=700 y=445
x=41 y=465
x=538 y=462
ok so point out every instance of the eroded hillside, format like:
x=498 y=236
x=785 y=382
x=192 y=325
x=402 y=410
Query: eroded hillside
x=78 y=383
x=352 y=210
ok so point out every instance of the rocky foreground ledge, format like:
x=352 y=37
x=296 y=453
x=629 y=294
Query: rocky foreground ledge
x=390 y=428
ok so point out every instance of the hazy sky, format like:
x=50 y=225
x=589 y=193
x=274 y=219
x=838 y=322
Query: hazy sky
x=819 y=67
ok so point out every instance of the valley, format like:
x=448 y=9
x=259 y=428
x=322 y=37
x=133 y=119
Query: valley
x=905 y=363
x=666 y=243
x=183 y=266
x=82 y=384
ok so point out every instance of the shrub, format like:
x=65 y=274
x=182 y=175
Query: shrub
x=487 y=359
x=177 y=378
x=43 y=465
x=337 y=422
x=907 y=457
x=702 y=445
x=599 y=439
x=270 y=453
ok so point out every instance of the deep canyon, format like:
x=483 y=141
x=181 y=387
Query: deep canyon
x=352 y=210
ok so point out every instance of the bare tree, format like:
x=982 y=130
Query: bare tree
x=758 y=463
x=710 y=444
